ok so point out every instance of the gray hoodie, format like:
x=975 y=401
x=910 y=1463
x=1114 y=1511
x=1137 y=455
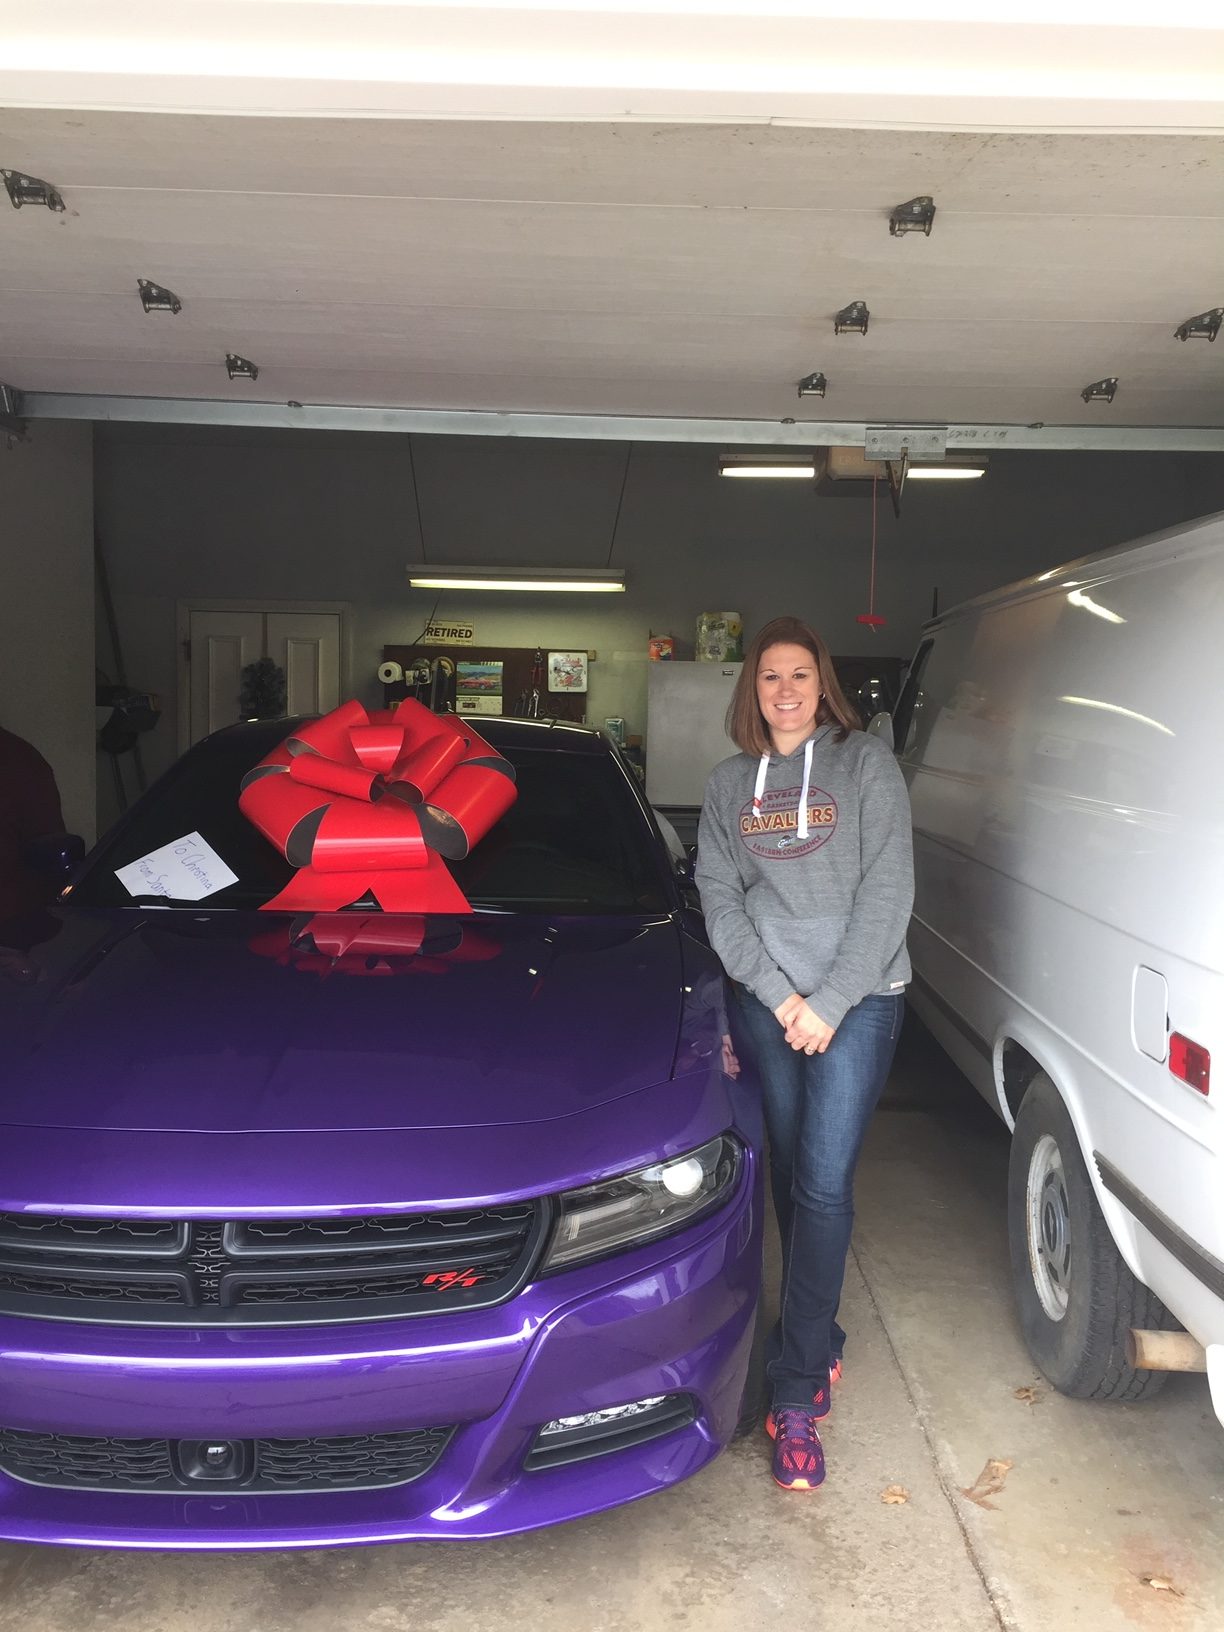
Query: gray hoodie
x=823 y=915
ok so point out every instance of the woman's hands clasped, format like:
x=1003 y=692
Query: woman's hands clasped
x=803 y=1026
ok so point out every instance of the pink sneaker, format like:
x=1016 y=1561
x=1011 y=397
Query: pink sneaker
x=798 y=1459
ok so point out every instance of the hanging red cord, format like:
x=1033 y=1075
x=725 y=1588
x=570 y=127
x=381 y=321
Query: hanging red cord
x=870 y=618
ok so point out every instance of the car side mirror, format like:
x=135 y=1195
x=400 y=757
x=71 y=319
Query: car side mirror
x=686 y=866
x=881 y=725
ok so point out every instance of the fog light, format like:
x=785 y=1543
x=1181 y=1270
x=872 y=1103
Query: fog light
x=615 y=1428
x=596 y=1419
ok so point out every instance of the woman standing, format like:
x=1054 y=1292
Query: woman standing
x=805 y=868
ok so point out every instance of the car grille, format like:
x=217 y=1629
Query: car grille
x=269 y=1271
x=360 y=1462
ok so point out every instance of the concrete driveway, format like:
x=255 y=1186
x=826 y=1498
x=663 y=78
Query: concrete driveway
x=1109 y=1517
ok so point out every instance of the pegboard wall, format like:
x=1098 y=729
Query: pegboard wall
x=518 y=666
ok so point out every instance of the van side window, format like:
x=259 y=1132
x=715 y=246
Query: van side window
x=903 y=718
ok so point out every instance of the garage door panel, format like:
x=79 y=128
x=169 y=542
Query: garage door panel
x=424 y=253
x=566 y=345
x=556 y=161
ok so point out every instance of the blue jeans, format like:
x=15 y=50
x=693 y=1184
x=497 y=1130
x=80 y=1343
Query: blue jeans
x=817 y=1108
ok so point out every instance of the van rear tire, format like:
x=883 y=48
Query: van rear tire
x=1077 y=1299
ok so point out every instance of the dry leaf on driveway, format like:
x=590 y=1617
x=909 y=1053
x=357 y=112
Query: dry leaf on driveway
x=894 y=1495
x=989 y=1482
x=1161 y=1583
x=1028 y=1395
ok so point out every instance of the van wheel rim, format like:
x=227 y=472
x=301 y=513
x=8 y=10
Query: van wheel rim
x=1048 y=1219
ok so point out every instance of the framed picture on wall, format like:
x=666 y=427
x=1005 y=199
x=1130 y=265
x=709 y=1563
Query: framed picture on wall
x=478 y=686
x=567 y=671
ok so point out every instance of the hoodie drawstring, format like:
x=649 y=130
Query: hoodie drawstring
x=763 y=771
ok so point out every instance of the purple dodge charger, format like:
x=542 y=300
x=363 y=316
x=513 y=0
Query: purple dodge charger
x=367 y=1227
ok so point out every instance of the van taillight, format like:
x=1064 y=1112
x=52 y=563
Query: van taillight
x=1190 y=1062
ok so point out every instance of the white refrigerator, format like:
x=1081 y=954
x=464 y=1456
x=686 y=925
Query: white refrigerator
x=686 y=706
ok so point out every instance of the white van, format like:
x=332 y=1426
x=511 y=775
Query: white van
x=1063 y=746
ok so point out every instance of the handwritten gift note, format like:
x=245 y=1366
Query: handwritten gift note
x=187 y=869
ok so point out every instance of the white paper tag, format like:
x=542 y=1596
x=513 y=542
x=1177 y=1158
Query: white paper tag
x=188 y=869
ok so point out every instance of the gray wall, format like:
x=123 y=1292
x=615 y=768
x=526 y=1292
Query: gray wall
x=47 y=606
x=189 y=513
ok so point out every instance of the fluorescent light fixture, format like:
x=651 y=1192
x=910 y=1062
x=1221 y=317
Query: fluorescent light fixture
x=543 y=580
x=775 y=467
x=778 y=467
x=944 y=473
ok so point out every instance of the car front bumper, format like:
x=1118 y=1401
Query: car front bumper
x=674 y=1318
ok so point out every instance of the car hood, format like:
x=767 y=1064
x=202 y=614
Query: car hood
x=236 y=1022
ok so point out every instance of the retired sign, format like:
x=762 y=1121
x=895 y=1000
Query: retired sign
x=449 y=634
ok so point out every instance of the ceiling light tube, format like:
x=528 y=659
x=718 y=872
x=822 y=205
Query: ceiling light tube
x=775 y=466
x=944 y=473
x=546 y=580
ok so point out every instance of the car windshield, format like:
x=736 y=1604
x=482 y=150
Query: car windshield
x=574 y=841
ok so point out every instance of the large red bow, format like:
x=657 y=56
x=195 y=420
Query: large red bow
x=370 y=803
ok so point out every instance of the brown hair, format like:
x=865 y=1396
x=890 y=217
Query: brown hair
x=745 y=725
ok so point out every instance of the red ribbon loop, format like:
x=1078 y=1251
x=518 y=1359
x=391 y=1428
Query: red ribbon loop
x=350 y=780
x=369 y=803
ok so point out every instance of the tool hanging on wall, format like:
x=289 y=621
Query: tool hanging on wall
x=442 y=686
x=529 y=698
x=429 y=682
x=417 y=679
x=871 y=618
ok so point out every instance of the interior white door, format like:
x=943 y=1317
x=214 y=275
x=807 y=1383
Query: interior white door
x=223 y=641
x=307 y=647
x=222 y=644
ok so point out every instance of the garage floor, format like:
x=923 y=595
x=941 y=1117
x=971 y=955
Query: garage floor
x=1109 y=1517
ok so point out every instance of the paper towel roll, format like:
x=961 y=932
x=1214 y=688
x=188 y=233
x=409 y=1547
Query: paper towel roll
x=389 y=673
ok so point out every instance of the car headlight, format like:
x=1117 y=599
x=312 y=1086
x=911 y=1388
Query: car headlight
x=653 y=1201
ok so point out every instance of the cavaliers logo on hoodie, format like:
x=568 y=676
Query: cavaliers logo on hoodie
x=773 y=831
